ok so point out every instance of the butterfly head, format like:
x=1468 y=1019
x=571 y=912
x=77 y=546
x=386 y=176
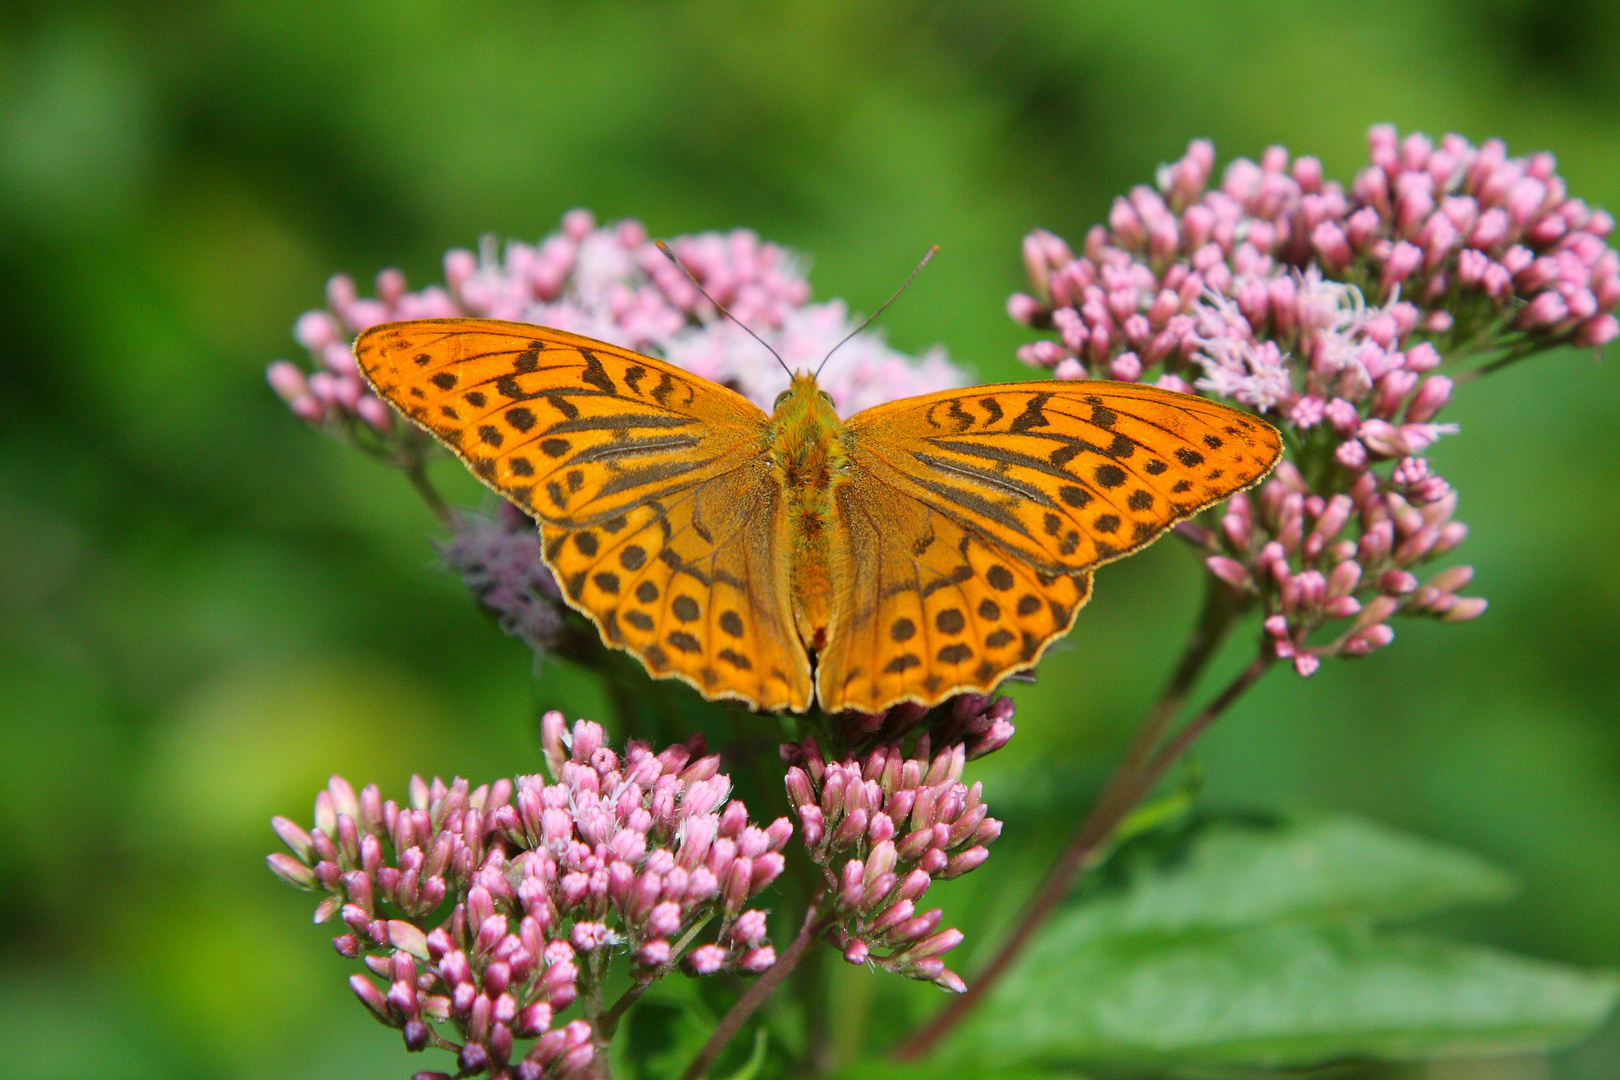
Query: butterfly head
x=804 y=402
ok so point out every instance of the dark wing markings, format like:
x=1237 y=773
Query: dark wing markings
x=986 y=476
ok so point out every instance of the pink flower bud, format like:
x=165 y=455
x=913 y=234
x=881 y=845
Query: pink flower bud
x=965 y=861
x=1125 y=367
x=1365 y=641
x=756 y=961
x=654 y=953
x=291 y=870
x=942 y=942
x=1490 y=231
x=1402 y=261
x=372 y=998
x=767 y=868
x=1597 y=331
x=706 y=959
x=1331 y=246
x=1230 y=571
x=1361 y=227
x=1352 y=454
x=1466 y=607
x=533 y=1019
x=913 y=885
x=1126 y=225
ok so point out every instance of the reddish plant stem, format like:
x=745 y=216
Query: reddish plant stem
x=756 y=994
x=1132 y=780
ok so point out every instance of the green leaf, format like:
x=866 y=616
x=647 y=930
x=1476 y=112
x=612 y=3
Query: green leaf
x=1293 y=993
x=1256 y=944
x=1232 y=874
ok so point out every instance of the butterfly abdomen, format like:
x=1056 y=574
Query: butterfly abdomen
x=809 y=460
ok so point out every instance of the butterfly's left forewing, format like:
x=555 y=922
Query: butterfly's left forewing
x=655 y=513
x=573 y=430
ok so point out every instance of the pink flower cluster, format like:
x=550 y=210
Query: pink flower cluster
x=613 y=284
x=545 y=883
x=1474 y=241
x=498 y=559
x=882 y=824
x=1350 y=556
x=1255 y=291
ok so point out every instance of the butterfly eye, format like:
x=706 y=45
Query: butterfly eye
x=826 y=396
x=783 y=396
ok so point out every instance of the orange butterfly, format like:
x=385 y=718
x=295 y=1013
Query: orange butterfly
x=925 y=548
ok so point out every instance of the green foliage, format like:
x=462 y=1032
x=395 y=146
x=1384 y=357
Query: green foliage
x=1260 y=944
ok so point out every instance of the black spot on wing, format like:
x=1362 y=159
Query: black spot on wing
x=595 y=374
x=1109 y=476
x=1032 y=416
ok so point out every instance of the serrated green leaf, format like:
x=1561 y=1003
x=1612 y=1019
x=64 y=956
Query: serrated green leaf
x=1237 y=875
x=1292 y=993
x=1257 y=945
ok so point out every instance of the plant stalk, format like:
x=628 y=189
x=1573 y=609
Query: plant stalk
x=1131 y=781
x=756 y=994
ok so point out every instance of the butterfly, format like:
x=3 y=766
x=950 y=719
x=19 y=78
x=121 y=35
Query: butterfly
x=921 y=549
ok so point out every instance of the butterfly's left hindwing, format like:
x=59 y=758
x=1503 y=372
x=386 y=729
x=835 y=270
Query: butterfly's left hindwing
x=693 y=584
x=656 y=515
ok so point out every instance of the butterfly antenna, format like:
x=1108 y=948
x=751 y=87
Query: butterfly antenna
x=927 y=255
x=720 y=307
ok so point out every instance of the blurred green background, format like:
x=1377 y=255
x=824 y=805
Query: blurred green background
x=207 y=608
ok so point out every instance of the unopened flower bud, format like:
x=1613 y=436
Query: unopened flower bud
x=706 y=959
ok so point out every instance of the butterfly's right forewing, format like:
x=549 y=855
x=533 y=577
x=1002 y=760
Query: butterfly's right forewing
x=1066 y=475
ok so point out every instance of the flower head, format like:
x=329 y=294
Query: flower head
x=617 y=855
x=498 y=559
x=882 y=824
x=612 y=283
x=1329 y=311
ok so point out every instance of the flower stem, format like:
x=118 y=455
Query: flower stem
x=756 y=994
x=416 y=469
x=1131 y=781
x=608 y=1022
